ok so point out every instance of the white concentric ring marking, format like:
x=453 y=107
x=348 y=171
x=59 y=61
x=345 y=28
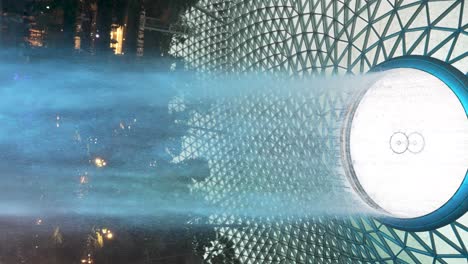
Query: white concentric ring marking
x=427 y=125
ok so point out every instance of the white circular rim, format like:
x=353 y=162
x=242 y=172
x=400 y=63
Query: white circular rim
x=412 y=183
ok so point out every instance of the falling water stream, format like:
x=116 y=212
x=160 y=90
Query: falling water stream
x=106 y=142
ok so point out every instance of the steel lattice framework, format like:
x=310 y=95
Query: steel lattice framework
x=310 y=37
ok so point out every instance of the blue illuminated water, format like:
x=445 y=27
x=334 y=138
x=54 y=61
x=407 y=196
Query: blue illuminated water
x=58 y=122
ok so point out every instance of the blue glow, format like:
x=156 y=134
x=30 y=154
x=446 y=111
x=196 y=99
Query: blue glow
x=56 y=120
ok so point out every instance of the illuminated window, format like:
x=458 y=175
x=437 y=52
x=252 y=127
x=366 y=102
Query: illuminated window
x=117 y=39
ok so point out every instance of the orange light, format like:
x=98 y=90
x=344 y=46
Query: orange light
x=117 y=37
x=36 y=37
x=100 y=162
x=77 y=42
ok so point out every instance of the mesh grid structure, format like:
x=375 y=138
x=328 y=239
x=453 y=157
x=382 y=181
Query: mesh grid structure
x=308 y=37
